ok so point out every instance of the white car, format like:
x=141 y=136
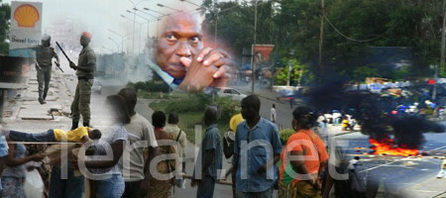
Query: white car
x=230 y=92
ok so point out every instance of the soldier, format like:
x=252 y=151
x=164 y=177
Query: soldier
x=44 y=55
x=85 y=68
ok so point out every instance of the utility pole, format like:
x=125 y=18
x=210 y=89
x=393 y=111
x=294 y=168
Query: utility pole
x=442 y=57
x=253 y=51
x=321 y=35
x=290 y=67
x=216 y=22
x=443 y=35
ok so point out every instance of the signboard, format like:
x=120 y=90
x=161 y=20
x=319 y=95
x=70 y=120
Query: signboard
x=22 y=39
x=26 y=25
x=262 y=52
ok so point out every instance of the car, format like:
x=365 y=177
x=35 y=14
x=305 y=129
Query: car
x=230 y=92
x=97 y=87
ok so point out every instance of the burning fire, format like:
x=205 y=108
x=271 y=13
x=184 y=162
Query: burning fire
x=387 y=146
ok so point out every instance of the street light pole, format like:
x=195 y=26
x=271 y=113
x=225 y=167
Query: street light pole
x=122 y=39
x=148 y=22
x=134 y=22
x=161 y=5
x=252 y=51
x=117 y=45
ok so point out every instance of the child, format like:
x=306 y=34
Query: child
x=52 y=135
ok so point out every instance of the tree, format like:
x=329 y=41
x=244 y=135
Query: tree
x=235 y=24
x=5 y=15
x=299 y=72
x=351 y=28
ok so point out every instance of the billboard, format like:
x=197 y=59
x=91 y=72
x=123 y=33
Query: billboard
x=26 y=26
x=262 y=52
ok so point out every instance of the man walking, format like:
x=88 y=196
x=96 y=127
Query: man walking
x=44 y=55
x=85 y=69
x=178 y=135
x=211 y=156
x=140 y=131
x=273 y=114
x=256 y=151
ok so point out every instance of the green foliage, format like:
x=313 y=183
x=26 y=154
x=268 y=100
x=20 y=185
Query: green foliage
x=192 y=103
x=191 y=108
x=285 y=134
x=297 y=70
x=5 y=15
x=235 y=24
x=295 y=25
x=227 y=109
x=402 y=73
x=360 y=73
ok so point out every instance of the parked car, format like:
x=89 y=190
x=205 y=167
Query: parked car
x=97 y=87
x=230 y=92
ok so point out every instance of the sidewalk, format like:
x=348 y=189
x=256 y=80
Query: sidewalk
x=28 y=114
x=433 y=187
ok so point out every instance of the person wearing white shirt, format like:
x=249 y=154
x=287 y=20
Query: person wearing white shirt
x=273 y=115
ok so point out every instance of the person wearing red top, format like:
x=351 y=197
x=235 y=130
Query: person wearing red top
x=303 y=158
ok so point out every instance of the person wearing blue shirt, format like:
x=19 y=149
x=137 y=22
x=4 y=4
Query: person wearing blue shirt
x=211 y=156
x=257 y=150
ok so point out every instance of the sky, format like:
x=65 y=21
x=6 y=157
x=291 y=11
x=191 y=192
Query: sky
x=103 y=17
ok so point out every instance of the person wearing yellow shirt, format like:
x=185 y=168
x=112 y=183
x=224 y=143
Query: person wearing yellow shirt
x=228 y=142
x=80 y=134
x=235 y=120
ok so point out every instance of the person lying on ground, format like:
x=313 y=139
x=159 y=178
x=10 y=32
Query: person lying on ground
x=81 y=134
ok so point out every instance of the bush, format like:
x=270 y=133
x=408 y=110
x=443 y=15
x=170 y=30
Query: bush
x=149 y=86
x=183 y=104
x=227 y=109
x=191 y=109
x=285 y=134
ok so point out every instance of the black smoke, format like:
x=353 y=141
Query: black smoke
x=372 y=112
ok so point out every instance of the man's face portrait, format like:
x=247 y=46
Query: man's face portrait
x=181 y=36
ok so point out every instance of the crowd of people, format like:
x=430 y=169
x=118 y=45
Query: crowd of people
x=146 y=159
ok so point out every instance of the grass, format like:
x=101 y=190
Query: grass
x=188 y=120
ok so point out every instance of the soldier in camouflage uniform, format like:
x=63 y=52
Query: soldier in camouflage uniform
x=44 y=55
x=85 y=69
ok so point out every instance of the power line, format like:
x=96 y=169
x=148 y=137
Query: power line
x=349 y=38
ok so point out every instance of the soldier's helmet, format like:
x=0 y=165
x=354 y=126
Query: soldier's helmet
x=46 y=40
x=46 y=37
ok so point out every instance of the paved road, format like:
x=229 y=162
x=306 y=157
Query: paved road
x=395 y=175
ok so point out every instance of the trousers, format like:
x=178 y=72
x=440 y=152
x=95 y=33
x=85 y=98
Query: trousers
x=81 y=101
